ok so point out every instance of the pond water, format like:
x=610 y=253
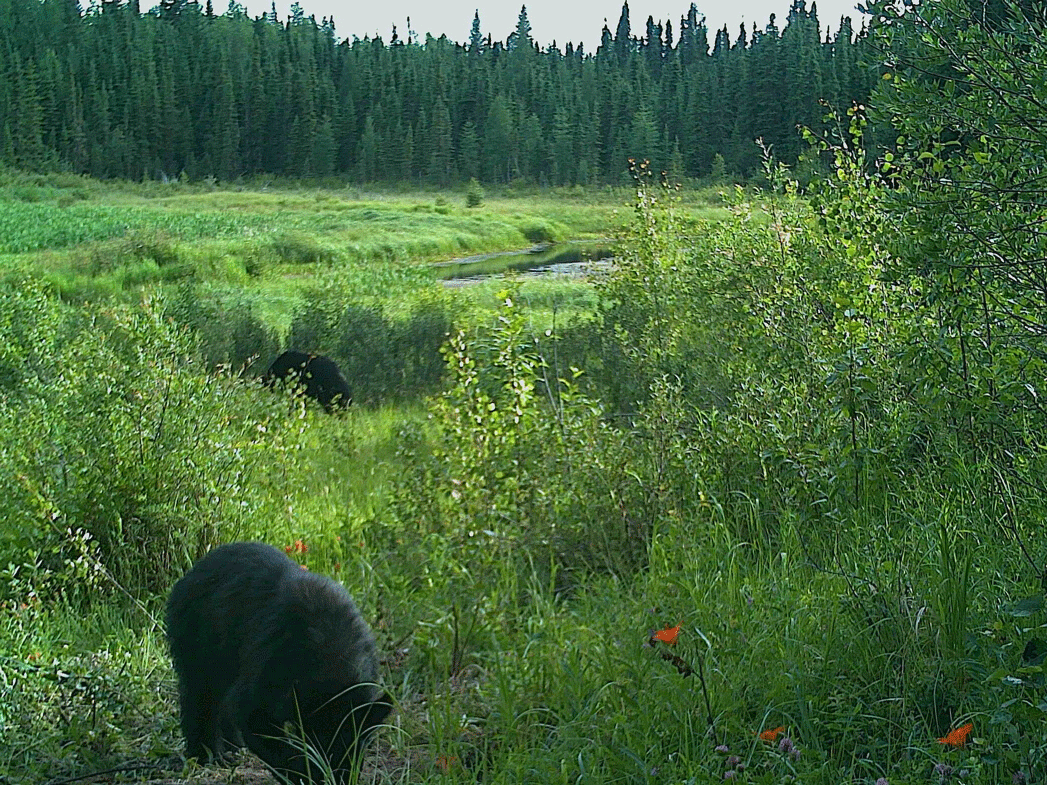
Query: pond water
x=571 y=258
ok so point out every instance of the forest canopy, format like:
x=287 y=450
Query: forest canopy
x=119 y=92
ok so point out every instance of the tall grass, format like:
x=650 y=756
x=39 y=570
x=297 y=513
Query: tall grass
x=367 y=230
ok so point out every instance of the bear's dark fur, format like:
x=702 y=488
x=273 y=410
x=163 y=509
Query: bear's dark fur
x=259 y=643
x=317 y=375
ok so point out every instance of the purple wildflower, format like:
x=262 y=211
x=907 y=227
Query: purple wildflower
x=882 y=781
x=722 y=748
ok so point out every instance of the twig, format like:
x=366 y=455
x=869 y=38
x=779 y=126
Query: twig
x=127 y=768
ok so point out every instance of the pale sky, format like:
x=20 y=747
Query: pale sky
x=559 y=20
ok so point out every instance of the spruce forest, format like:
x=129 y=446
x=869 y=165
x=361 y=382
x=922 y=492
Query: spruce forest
x=673 y=413
x=115 y=92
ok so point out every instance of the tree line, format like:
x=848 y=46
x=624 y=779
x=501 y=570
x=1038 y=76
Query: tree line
x=182 y=90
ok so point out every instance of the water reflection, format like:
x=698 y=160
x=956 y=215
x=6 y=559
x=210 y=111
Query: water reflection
x=572 y=258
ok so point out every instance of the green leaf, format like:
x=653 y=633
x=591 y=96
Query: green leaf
x=1026 y=607
x=1035 y=652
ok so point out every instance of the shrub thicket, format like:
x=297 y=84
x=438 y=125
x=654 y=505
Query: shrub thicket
x=386 y=351
x=767 y=441
x=123 y=458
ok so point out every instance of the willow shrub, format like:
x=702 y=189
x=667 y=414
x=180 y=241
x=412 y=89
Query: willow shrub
x=518 y=484
x=387 y=349
x=776 y=374
x=123 y=458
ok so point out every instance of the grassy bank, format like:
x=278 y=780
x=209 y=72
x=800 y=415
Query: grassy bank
x=77 y=227
x=96 y=228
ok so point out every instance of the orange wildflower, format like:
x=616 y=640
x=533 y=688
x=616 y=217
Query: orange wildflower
x=668 y=635
x=958 y=737
x=772 y=734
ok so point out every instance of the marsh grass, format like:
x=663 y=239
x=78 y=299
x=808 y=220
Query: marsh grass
x=549 y=304
x=401 y=228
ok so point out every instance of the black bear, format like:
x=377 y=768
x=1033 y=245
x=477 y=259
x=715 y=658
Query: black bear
x=268 y=655
x=319 y=376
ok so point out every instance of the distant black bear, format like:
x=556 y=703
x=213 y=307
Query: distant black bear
x=319 y=376
x=259 y=643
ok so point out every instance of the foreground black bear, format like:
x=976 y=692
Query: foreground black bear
x=319 y=376
x=269 y=654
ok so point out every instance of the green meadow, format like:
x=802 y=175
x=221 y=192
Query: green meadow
x=738 y=437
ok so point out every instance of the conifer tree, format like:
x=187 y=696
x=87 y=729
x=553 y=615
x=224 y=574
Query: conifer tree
x=675 y=166
x=406 y=171
x=623 y=35
x=367 y=155
x=802 y=77
x=27 y=116
x=652 y=46
x=441 y=146
x=53 y=100
x=222 y=141
x=688 y=30
x=498 y=132
x=644 y=142
x=324 y=149
x=606 y=47
x=520 y=38
x=469 y=151
x=563 y=154
x=530 y=149
x=476 y=38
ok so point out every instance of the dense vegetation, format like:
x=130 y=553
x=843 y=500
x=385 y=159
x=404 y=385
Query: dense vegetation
x=764 y=503
x=181 y=91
